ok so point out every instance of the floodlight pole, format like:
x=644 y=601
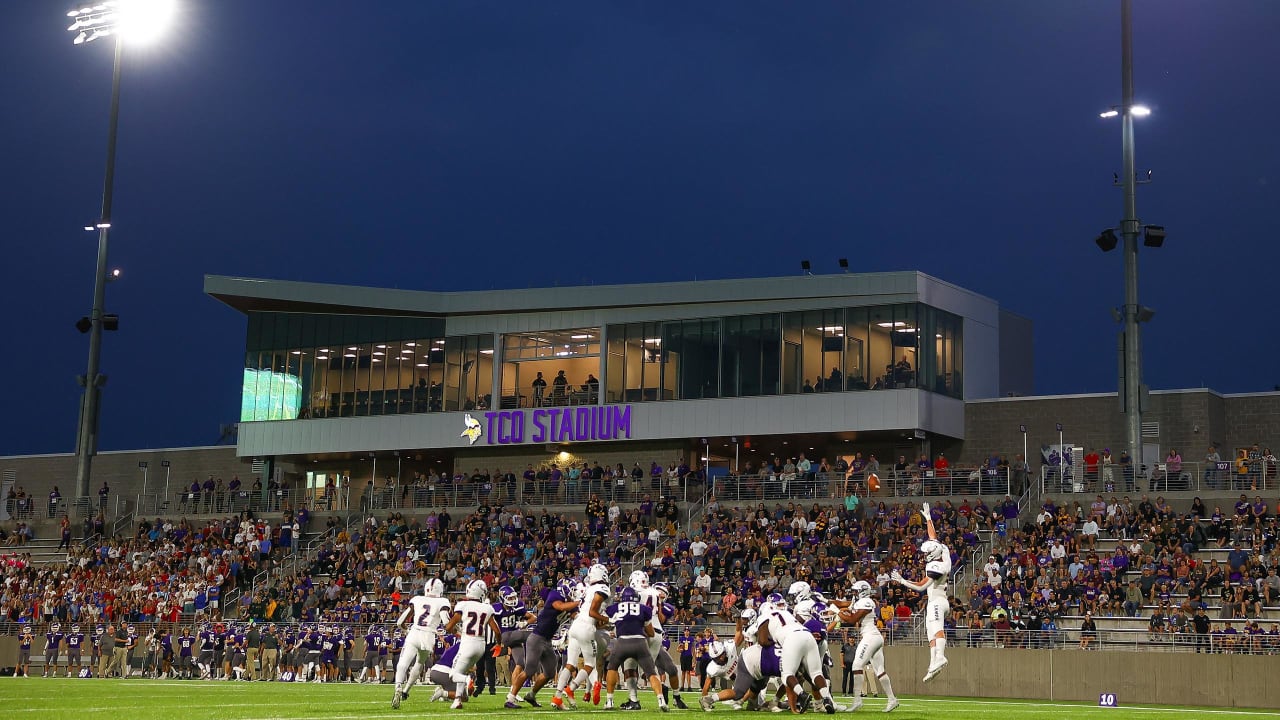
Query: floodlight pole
x=1131 y=372
x=87 y=437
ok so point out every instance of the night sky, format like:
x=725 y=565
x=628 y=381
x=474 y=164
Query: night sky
x=463 y=145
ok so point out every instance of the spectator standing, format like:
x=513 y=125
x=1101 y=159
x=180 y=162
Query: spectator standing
x=539 y=391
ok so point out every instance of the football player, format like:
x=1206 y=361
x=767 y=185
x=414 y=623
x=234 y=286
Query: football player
x=541 y=660
x=870 y=652
x=633 y=625
x=24 y=652
x=473 y=619
x=512 y=618
x=373 y=640
x=582 y=636
x=654 y=596
x=75 y=644
x=937 y=570
x=428 y=610
x=775 y=625
x=52 y=646
x=186 y=648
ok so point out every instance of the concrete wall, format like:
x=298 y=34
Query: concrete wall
x=39 y=473
x=1189 y=420
x=1078 y=675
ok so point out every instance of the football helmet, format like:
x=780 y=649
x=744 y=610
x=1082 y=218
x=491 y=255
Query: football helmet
x=477 y=590
x=597 y=573
x=566 y=588
x=56 y=627
x=508 y=595
x=639 y=580
x=776 y=600
x=664 y=590
x=628 y=594
x=861 y=589
x=804 y=610
x=715 y=650
x=434 y=587
x=799 y=592
x=75 y=628
x=826 y=613
x=26 y=629
x=932 y=550
x=748 y=616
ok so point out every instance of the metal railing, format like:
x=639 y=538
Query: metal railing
x=1224 y=476
x=224 y=502
x=833 y=485
x=1136 y=640
x=427 y=495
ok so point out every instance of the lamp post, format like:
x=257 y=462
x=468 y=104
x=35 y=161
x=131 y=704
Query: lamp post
x=1130 y=375
x=130 y=20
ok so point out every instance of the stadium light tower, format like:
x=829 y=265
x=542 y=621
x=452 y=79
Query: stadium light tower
x=1132 y=391
x=134 y=22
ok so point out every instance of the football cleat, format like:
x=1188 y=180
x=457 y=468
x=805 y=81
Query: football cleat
x=706 y=702
x=679 y=703
x=532 y=701
x=891 y=706
x=934 y=669
x=595 y=693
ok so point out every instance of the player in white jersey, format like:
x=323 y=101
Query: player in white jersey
x=870 y=650
x=474 y=622
x=937 y=570
x=724 y=663
x=655 y=598
x=777 y=626
x=429 y=611
x=582 y=636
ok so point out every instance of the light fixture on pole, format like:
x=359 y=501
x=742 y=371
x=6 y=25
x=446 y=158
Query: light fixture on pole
x=132 y=21
x=844 y=264
x=143 y=467
x=165 y=464
x=806 y=267
x=1131 y=390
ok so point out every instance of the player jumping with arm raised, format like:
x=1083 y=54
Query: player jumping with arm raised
x=937 y=570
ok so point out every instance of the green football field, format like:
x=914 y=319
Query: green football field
x=38 y=698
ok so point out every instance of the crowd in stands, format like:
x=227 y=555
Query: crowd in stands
x=166 y=568
x=1053 y=568
x=1051 y=573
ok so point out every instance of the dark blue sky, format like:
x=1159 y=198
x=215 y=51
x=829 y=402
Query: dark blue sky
x=461 y=145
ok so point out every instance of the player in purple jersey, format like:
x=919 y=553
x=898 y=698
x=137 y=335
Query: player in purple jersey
x=204 y=656
x=166 y=654
x=52 y=646
x=441 y=674
x=513 y=616
x=329 y=641
x=186 y=650
x=25 y=642
x=75 y=644
x=633 y=626
x=541 y=660
x=372 y=641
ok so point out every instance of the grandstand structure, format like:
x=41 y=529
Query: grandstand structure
x=741 y=432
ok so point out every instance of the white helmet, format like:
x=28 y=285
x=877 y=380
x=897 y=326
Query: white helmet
x=434 y=587
x=748 y=616
x=861 y=589
x=578 y=592
x=932 y=550
x=827 y=613
x=597 y=573
x=715 y=649
x=804 y=610
x=477 y=590
x=799 y=591
x=639 y=580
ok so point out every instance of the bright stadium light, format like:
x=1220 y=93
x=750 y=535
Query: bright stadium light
x=129 y=22
x=135 y=21
x=1140 y=110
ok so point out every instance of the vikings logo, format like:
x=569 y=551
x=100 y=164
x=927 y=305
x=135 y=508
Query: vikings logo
x=472 y=429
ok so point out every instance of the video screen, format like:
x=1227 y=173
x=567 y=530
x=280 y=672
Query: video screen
x=268 y=395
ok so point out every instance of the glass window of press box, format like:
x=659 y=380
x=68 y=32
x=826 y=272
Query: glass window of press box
x=315 y=366
x=881 y=347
